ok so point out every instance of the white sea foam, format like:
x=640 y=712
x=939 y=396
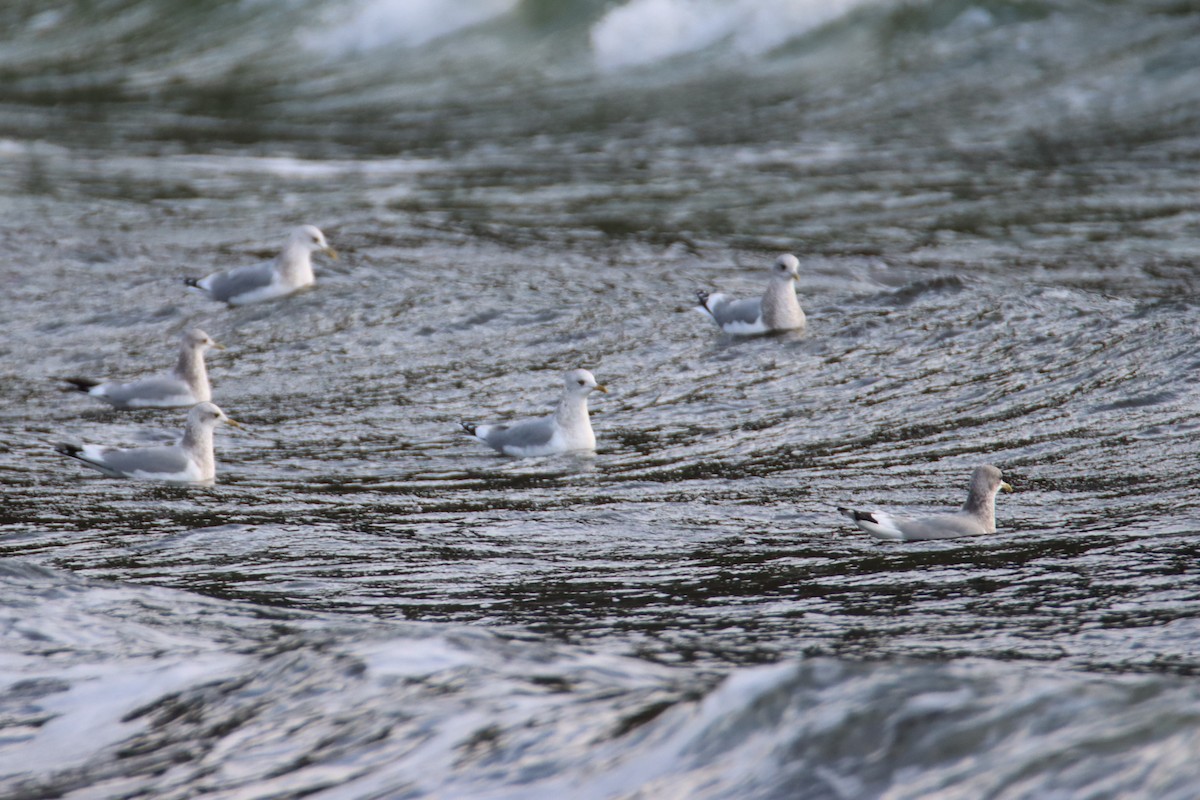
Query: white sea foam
x=647 y=31
x=92 y=711
x=370 y=24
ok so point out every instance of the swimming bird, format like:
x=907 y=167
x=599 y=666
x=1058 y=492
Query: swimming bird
x=567 y=429
x=977 y=516
x=185 y=386
x=777 y=310
x=189 y=461
x=290 y=272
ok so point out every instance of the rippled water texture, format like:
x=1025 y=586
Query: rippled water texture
x=994 y=208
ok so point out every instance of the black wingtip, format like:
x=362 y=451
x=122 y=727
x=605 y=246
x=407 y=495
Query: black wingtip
x=468 y=427
x=193 y=282
x=858 y=516
x=79 y=384
x=702 y=296
x=68 y=449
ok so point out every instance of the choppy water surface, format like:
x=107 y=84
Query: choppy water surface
x=994 y=208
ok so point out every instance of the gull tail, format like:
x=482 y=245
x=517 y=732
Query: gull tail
x=68 y=449
x=193 y=282
x=468 y=427
x=80 y=384
x=702 y=296
x=858 y=516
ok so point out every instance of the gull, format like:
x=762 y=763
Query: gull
x=977 y=516
x=189 y=461
x=290 y=272
x=777 y=310
x=185 y=386
x=567 y=429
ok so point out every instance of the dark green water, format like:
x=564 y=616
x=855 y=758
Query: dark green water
x=994 y=210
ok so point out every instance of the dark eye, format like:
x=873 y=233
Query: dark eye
x=581 y=382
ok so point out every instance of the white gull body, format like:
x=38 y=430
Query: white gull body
x=290 y=272
x=187 y=384
x=777 y=310
x=568 y=429
x=192 y=460
x=977 y=516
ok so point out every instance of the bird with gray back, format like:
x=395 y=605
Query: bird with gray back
x=185 y=386
x=977 y=516
x=290 y=272
x=569 y=428
x=777 y=310
x=190 y=461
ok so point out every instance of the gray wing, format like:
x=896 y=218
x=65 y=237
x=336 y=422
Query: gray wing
x=226 y=285
x=525 y=434
x=941 y=526
x=149 y=392
x=166 y=460
x=727 y=312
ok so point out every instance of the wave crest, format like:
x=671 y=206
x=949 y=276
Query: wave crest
x=648 y=31
x=373 y=24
